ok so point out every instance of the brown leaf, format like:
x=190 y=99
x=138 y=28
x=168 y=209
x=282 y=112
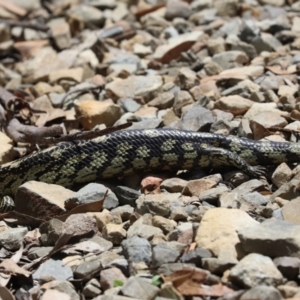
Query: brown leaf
x=14 y=217
x=259 y=131
x=189 y=283
x=10 y=267
x=83 y=208
x=175 y=51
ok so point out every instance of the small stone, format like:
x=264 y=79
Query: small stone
x=92 y=288
x=62 y=286
x=36 y=198
x=139 y=288
x=186 y=79
x=143 y=230
x=92 y=113
x=217 y=266
x=137 y=250
x=255 y=269
x=183 y=233
x=281 y=175
x=177 y=9
x=109 y=276
x=262 y=292
x=195 y=257
x=102 y=218
x=196 y=118
x=178 y=214
x=6 y=149
x=290 y=211
x=167 y=252
x=37 y=252
x=12 y=239
x=163 y=100
x=158 y=204
x=125 y=211
x=86 y=14
x=164 y=224
x=50 y=232
x=91 y=193
x=55 y=269
x=217 y=238
x=114 y=233
x=198 y=186
x=88 y=268
x=126 y=195
x=141 y=50
x=134 y=86
x=182 y=98
x=236 y=104
x=230 y=59
x=61 y=34
x=273 y=237
x=129 y=105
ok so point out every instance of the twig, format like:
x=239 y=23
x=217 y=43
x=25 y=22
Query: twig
x=26 y=24
x=81 y=91
x=85 y=135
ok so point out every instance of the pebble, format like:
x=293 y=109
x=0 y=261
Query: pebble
x=255 y=269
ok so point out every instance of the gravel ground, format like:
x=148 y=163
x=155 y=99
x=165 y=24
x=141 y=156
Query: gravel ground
x=229 y=67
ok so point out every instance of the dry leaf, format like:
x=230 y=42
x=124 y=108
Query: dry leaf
x=21 y=219
x=11 y=267
x=188 y=282
x=83 y=208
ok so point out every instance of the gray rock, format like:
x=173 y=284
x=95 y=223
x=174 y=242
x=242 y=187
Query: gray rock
x=139 y=288
x=211 y=196
x=53 y=268
x=274 y=238
x=157 y=204
x=195 y=257
x=217 y=266
x=125 y=211
x=230 y=59
x=87 y=268
x=255 y=198
x=12 y=239
x=167 y=252
x=262 y=292
x=50 y=232
x=108 y=276
x=37 y=252
x=137 y=249
x=197 y=118
x=129 y=105
x=255 y=269
x=92 y=288
x=126 y=195
x=91 y=193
